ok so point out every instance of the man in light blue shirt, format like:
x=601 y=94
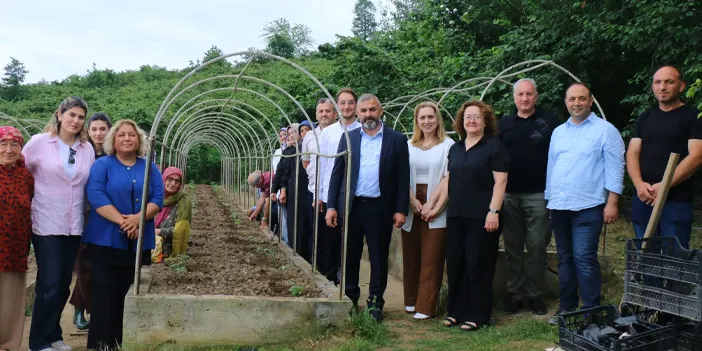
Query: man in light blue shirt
x=368 y=182
x=584 y=178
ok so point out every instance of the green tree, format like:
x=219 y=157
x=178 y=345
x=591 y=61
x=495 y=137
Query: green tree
x=286 y=40
x=364 y=23
x=15 y=72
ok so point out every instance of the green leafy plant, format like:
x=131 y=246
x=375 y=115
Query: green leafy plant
x=296 y=290
x=178 y=263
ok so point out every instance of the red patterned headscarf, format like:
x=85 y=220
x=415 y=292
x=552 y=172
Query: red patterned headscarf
x=12 y=133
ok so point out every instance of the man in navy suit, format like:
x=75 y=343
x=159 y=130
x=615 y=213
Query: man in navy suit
x=378 y=198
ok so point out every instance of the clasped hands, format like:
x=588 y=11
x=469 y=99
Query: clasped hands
x=428 y=211
x=130 y=225
x=648 y=193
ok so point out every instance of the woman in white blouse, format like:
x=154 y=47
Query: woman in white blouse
x=423 y=239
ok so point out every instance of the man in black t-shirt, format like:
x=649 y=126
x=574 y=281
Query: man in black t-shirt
x=670 y=127
x=526 y=134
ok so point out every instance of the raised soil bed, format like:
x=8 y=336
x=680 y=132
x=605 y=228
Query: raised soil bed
x=238 y=286
x=230 y=256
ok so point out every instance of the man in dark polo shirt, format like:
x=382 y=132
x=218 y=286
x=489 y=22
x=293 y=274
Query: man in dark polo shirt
x=670 y=127
x=526 y=134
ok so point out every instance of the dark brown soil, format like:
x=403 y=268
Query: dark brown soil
x=229 y=257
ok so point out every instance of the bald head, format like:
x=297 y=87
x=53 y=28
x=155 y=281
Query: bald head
x=667 y=86
x=255 y=179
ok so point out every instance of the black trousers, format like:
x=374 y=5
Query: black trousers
x=321 y=226
x=332 y=250
x=471 y=255
x=299 y=243
x=110 y=287
x=368 y=218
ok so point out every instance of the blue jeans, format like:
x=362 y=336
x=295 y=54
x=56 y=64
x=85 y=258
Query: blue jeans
x=676 y=220
x=577 y=236
x=56 y=255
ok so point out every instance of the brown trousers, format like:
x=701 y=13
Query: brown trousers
x=81 y=297
x=423 y=261
x=12 y=301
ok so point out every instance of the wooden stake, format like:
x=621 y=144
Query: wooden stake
x=662 y=196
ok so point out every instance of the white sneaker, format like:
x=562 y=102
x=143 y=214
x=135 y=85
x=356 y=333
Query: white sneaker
x=46 y=349
x=60 y=346
x=410 y=309
x=421 y=316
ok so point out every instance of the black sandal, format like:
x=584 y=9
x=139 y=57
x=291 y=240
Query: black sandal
x=451 y=322
x=472 y=326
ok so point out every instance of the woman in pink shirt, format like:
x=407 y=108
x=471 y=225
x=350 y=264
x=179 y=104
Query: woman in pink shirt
x=60 y=161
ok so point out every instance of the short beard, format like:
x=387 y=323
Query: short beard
x=370 y=124
x=671 y=98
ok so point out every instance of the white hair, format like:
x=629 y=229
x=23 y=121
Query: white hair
x=533 y=82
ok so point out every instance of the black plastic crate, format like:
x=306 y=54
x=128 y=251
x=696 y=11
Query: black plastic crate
x=688 y=334
x=650 y=336
x=689 y=337
x=664 y=277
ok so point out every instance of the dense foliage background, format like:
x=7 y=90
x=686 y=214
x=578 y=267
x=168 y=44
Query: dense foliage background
x=413 y=46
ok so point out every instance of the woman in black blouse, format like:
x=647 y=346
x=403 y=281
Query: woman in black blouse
x=476 y=182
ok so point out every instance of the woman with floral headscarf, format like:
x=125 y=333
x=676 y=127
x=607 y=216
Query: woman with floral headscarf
x=16 y=191
x=173 y=222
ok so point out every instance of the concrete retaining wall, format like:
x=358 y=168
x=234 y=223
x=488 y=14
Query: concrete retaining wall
x=239 y=320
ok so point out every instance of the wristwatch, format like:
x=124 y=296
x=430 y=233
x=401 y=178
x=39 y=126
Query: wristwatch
x=492 y=210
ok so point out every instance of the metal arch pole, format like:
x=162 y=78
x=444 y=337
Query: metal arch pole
x=168 y=100
x=214 y=120
x=226 y=139
x=180 y=112
x=425 y=94
x=235 y=138
x=142 y=216
x=229 y=140
x=195 y=117
x=274 y=86
x=234 y=132
x=215 y=117
x=273 y=103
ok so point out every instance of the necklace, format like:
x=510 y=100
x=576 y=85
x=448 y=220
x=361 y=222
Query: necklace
x=427 y=147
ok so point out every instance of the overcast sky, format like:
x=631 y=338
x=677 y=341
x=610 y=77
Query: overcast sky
x=57 y=38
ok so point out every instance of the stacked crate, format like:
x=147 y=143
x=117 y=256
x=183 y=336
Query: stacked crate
x=662 y=288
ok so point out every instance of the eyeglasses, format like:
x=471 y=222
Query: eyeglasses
x=173 y=180
x=71 y=156
x=4 y=145
x=476 y=118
